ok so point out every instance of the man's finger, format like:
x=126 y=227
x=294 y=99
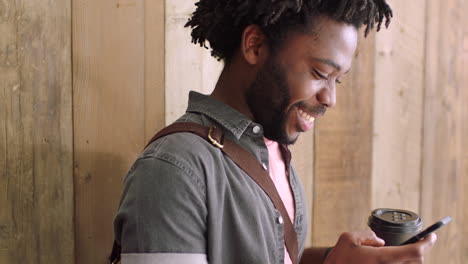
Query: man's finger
x=412 y=252
x=369 y=238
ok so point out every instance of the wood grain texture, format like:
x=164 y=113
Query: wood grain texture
x=155 y=89
x=36 y=176
x=188 y=66
x=398 y=109
x=111 y=118
x=444 y=142
x=343 y=139
x=464 y=95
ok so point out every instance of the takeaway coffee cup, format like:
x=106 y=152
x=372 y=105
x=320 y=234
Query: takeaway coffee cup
x=395 y=226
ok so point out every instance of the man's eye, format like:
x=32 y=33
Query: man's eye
x=321 y=76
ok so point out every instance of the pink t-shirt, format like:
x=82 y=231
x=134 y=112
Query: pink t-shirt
x=277 y=170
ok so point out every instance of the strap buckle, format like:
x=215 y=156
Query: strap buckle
x=212 y=140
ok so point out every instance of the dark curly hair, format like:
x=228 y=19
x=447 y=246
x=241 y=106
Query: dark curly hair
x=221 y=22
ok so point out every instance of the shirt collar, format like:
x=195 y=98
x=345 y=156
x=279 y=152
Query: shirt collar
x=228 y=117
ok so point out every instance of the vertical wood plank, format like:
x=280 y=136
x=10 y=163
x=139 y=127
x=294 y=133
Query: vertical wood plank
x=444 y=142
x=154 y=67
x=343 y=153
x=182 y=59
x=398 y=106
x=36 y=176
x=109 y=112
x=188 y=66
x=464 y=98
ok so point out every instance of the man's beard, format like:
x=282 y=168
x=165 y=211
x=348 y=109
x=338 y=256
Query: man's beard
x=268 y=98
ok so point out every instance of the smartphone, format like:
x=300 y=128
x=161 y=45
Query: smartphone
x=428 y=230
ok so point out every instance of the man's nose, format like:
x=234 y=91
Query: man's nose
x=327 y=94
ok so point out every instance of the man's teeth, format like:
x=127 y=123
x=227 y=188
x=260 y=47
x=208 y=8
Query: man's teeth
x=306 y=116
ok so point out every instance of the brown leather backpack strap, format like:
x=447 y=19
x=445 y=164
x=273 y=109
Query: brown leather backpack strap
x=114 y=257
x=200 y=130
x=248 y=163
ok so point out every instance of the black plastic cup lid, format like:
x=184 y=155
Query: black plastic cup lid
x=394 y=221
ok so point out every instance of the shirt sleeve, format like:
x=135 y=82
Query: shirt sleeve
x=162 y=215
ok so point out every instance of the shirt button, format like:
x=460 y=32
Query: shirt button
x=299 y=220
x=256 y=129
x=264 y=166
x=280 y=220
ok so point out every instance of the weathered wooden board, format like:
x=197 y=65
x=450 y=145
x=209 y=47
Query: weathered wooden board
x=464 y=122
x=444 y=142
x=154 y=67
x=112 y=118
x=36 y=175
x=343 y=142
x=188 y=66
x=398 y=108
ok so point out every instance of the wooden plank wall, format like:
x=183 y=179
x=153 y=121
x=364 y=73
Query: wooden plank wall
x=118 y=61
x=36 y=176
x=398 y=109
x=397 y=137
x=464 y=125
x=188 y=66
x=444 y=160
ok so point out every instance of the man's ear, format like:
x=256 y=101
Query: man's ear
x=253 y=45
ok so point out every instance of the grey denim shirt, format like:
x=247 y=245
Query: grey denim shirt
x=184 y=201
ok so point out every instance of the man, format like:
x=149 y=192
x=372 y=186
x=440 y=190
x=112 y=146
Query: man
x=184 y=201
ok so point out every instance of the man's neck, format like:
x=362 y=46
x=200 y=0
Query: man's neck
x=232 y=86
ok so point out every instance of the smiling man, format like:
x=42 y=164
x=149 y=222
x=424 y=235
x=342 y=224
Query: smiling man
x=186 y=201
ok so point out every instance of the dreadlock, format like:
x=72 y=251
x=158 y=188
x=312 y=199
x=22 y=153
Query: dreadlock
x=221 y=22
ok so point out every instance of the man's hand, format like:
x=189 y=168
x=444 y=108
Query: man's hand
x=366 y=248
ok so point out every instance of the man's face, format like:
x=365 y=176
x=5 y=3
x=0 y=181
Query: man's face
x=297 y=84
